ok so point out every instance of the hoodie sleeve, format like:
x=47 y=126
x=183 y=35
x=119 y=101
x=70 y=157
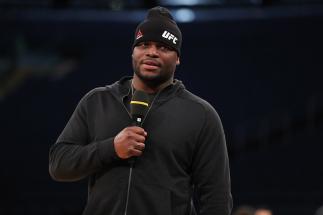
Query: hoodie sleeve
x=73 y=156
x=211 y=174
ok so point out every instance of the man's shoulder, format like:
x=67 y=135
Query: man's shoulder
x=199 y=107
x=116 y=89
x=195 y=99
x=96 y=91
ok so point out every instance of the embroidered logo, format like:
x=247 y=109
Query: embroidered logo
x=169 y=36
x=139 y=35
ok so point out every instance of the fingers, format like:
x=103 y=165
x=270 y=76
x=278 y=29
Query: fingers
x=135 y=152
x=130 y=142
x=139 y=146
x=136 y=133
x=136 y=149
x=137 y=130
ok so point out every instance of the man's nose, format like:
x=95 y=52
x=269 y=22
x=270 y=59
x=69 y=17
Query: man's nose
x=152 y=50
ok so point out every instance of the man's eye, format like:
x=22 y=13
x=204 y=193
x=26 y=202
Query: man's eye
x=164 y=48
x=144 y=44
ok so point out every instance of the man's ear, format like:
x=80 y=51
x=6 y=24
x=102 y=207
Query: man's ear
x=178 y=61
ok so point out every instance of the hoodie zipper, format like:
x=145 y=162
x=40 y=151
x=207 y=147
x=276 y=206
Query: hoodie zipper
x=132 y=163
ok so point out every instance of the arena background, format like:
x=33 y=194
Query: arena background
x=259 y=63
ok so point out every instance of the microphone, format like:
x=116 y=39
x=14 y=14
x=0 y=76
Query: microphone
x=139 y=105
x=138 y=109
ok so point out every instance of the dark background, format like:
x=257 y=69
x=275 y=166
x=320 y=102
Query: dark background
x=259 y=65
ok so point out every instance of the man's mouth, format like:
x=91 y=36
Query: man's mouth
x=150 y=64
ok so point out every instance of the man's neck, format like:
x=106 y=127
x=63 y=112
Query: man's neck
x=139 y=85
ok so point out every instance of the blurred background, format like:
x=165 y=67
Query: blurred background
x=258 y=62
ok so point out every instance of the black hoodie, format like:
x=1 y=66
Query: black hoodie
x=184 y=168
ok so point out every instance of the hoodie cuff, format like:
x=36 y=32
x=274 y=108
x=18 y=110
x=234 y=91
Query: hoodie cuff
x=106 y=151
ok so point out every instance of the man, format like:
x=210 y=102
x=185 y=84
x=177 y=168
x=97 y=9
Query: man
x=181 y=164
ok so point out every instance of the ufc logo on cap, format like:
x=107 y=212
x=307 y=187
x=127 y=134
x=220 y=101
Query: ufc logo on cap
x=169 y=36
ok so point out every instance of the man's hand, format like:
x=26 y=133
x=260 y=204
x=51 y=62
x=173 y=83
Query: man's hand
x=130 y=142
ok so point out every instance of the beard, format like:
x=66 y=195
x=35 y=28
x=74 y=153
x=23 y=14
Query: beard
x=157 y=78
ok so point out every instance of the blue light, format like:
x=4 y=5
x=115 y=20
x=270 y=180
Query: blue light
x=182 y=2
x=184 y=15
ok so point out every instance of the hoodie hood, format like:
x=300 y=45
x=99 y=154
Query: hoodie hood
x=122 y=87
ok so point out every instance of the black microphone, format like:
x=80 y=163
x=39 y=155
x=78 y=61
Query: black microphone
x=139 y=105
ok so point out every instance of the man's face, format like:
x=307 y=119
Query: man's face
x=154 y=63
